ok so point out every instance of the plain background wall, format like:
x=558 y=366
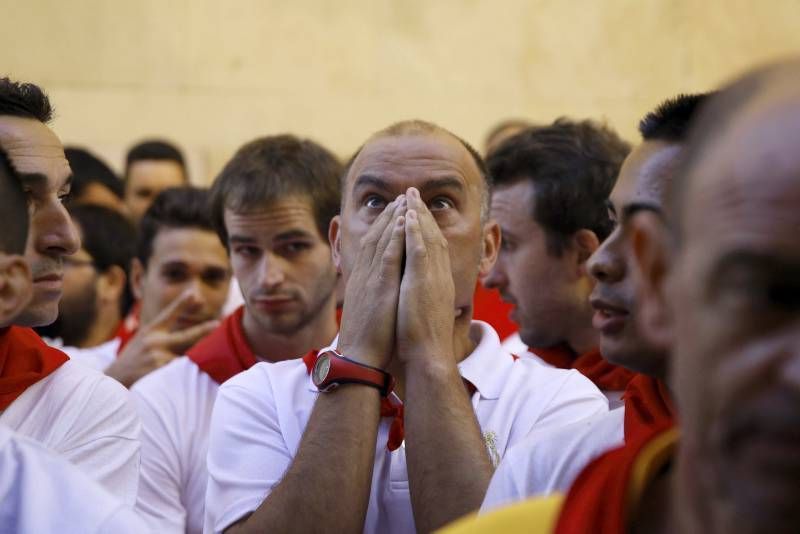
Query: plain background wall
x=212 y=75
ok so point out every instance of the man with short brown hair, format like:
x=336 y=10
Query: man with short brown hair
x=271 y=206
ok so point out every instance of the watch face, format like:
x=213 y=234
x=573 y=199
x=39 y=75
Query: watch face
x=321 y=369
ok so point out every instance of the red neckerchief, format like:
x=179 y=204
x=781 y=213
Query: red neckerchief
x=395 y=411
x=648 y=404
x=24 y=360
x=597 y=500
x=128 y=327
x=606 y=376
x=225 y=351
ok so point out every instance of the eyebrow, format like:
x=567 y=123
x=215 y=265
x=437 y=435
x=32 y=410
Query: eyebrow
x=39 y=180
x=762 y=261
x=635 y=207
x=292 y=234
x=241 y=239
x=369 y=180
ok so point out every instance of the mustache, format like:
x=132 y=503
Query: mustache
x=46 y=267
x=282 y=294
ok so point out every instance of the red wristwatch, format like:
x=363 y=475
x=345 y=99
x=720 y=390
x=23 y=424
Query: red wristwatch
x=332 y=369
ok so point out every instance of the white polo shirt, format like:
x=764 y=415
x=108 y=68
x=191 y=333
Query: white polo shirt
x=515 y=345
x=175 y=404
x=260 y=416
x=42 y=493
x=86 y=418
x=549 y=462
x=97 y=358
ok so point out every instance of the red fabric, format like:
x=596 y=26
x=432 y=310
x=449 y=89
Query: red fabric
x=129 y=326
x=487 y=306
x=224 y=352
x=597 y=500
x=648 y=404
x=24 y=360
x=592 y=365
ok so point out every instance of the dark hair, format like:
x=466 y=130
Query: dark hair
x=419 y=127
x=711 y=122
x=155 y=150
x=109 y=238
x=88 y=169
x=13 y=209
x=670 y=120
x=25 y=100
x=270 y=168
x=177 y=207
x=573 y=166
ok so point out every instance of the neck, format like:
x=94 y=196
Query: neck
x=103 y=329
x=583 y=340
x=275 y=347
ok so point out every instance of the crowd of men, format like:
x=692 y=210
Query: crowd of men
x=295 y=348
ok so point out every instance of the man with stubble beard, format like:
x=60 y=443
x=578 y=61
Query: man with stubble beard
x=77 y=412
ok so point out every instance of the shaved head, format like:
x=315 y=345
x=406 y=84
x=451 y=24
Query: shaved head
x=411 y=128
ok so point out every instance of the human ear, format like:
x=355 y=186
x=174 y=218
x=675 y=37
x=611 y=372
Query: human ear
x=651 y=257
x=16 y=287
x=137 y=278
x=111 y=284
x=585 y=243
x=489 y=248
x=335 y=240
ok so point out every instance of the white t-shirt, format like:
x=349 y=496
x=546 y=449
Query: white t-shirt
x=260 y=416
x=547 y=462
x=42 y=493
x=88 y=419
x=175 y=404
x=515 y=345
x=98 y=358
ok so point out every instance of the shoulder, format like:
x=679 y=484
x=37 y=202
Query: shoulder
x=289 y=373
x=98 y=357
x=78 y=385
x=172 y=379
x=549 y=381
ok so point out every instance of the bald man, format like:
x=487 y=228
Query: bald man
x=720 y=286
x=373 y=434
x=76 y=412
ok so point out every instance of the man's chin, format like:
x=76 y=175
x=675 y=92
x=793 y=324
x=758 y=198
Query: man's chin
x=33 y=316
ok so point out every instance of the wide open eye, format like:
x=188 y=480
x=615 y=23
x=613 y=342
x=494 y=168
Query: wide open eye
x=375 y=202
x=440 y=203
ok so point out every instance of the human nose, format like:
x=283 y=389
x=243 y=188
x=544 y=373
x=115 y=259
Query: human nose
x=607 y=264
x=53 y=231
x=272 y=271
x=496 y=279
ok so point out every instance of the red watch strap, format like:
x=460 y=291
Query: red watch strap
x=343 y=370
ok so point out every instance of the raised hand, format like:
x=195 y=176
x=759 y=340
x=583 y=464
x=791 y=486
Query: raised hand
x=426 y=308
x=159 y=342
x=367 y=331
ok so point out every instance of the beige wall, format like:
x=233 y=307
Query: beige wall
x=214 y=74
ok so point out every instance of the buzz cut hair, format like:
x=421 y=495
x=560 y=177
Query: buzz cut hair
x=671 y=119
